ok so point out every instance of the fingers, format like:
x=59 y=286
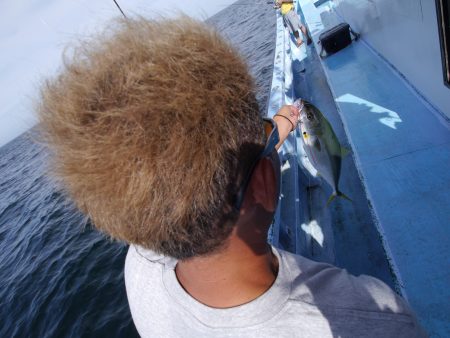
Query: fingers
x=294 y=111
x=295 y=115
x=290 y=112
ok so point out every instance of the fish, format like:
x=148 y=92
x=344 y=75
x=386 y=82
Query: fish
x=321 y=146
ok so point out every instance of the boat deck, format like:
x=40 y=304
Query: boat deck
x=401 y=151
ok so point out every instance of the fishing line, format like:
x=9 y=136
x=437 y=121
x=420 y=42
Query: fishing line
x=120 y=9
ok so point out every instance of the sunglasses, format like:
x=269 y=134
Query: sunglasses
x=269 y=151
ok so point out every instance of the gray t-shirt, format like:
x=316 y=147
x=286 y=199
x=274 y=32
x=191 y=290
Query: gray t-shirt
x=307 y=299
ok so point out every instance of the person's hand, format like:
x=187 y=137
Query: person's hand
x=290 y=114
x=287 y=119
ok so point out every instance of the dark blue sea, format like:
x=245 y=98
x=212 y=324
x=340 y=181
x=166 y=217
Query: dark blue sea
x=59 y=277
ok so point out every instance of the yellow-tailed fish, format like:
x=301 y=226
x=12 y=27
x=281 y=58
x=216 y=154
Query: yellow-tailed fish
x=321 y=145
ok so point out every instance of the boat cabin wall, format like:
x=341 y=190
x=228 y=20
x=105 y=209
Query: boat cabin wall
x=406 y=33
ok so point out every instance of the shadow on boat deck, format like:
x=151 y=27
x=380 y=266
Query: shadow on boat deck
x=343 y=233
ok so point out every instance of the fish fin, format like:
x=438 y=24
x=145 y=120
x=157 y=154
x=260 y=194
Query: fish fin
x=344 y=151
x=317 y=145
x=339 y=194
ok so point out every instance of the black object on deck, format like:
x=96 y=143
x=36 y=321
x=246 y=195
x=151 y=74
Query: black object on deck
x=336 y=38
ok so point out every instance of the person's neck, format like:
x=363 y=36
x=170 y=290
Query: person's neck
x=236 y=275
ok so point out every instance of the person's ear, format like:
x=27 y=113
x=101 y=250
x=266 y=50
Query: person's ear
x=263 y=187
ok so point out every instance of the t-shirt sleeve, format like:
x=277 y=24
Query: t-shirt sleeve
x=362 y=303
x=374 y=293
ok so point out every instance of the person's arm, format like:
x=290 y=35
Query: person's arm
x=286 y=119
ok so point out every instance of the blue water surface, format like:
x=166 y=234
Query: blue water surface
x=59 y=277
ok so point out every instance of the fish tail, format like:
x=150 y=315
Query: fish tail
x=344 y=152
x=339 y=194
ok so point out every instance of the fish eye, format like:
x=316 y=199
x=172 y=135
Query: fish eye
x=309 y=116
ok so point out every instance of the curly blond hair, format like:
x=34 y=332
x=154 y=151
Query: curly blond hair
x=152 y=126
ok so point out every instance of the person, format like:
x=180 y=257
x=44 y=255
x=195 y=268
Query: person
x=292 y=21
x=158 y=138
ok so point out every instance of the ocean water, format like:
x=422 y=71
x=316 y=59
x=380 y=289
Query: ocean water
x=59 y=277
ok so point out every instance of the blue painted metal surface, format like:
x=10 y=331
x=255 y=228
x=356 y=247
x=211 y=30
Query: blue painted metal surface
x=283 y=232
x=342 y=233
x=402 y=150
x=405 y=32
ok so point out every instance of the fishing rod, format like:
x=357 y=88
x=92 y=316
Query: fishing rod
x=120 y=9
